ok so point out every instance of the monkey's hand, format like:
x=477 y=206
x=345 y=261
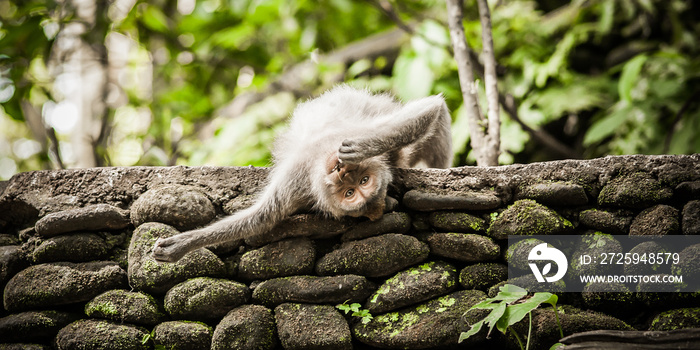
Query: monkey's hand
x=170 y=249
x=353 y=151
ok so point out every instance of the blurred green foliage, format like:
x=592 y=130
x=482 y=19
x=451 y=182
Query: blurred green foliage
x=602 y=77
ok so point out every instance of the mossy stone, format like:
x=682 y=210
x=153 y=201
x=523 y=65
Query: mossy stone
x=481 y=276
x=205 y=298
x=124 y=306
x=467 y=247
x=527 y=217
x=249 y=327
x=676 y=319
x=34 y=326
x=102 y=335
x=307 y=326
x=182 y=335
x=636 y=191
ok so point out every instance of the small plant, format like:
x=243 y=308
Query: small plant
x=510 y=306
x=356 y=311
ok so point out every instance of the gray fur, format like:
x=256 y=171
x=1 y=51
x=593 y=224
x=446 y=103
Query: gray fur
x=344 y=139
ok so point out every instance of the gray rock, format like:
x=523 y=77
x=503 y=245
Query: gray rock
x=517 y=253
x=527 y=217
x=636 y=191
x=691 y=218
x=676 y=319
x=22 y=346
x=373 y=257
x=483 y=275
x=659 y=220
x=467 y=247
x=79 y=247
x=305 y=326
x=412 y=286
x=183 y=207
x=295 y=256
x=688 y=190
x=249 y=327
x=313 y=289
x=456 y=222
x=7 y=239
x=554 y=193
x=101 y=335
x=124 y=306
x=613 y=298
x=150 y=276
x=594 y=245
x=606 y=221
x=434 y=324
x=394 y=222
x=49 y=285
x=205 y=299
x=182 y=335
x=689 y=263
x=12 y=261
x=431 y=201
x=545 y=330
x=91 y=218
x=646 y=249
x=34 y=326
x=301 y=225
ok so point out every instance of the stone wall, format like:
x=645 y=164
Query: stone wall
x=77 y=273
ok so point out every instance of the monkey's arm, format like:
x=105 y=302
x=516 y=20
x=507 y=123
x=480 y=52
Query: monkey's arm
x=416 y=121
x=271 y=208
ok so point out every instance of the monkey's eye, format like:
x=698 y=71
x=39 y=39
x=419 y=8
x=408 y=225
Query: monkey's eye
x=364 y=180
x=349 y=193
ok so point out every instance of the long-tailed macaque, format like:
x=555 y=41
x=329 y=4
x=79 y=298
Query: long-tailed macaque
x=336 y=158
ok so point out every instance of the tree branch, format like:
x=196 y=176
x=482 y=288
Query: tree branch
x=493 y=133
x=466 y=77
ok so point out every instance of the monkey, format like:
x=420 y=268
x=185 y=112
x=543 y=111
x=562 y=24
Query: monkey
x=335 y=158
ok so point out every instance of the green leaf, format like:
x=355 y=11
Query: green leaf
x=475 y=328
x=629 y=76
x=413 y=78
x=556 y=346
x=154 y=19
x=607 y=125
x=495 y=315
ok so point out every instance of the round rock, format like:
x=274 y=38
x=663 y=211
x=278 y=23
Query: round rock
x=483 y=275
x=434 y=324
x=676 y=319
x=34 y=326
x=431 y=201
x=606 y=221
x=659 y=220
x=467 y=247
x=294 y=256
x=691 y=218
x=49 y=285
x=182 y=335
x=101 y=335
x=91 y=218
x=12 y=261
x=456 y=222
x=554 y=193
x=636 y=191
x=183 y=207
x=527 y=217
x=249 y=327
x=79 y=247
x=150 y=276
x=313 y=289
x=124 y=306
x=374 y=257
x=413 y=286
x=205 y=299
x=305 y=326
x=394 y=222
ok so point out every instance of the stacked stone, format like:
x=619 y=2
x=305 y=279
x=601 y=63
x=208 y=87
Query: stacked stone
x=81 y=275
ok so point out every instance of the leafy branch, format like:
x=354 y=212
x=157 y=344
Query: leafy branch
x=508 y=307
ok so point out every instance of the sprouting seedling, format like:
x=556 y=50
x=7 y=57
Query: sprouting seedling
x=364 y=314
x=509 y=307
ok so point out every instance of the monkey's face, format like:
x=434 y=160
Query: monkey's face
x=357 y=189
